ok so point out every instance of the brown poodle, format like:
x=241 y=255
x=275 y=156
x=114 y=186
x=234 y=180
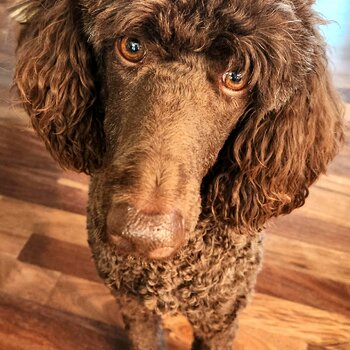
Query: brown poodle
x=198 y=121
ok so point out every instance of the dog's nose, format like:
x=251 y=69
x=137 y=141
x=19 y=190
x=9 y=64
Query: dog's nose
x=156 y=236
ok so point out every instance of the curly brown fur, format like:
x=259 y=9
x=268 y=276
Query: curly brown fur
x=54 y=79
x=166 y=138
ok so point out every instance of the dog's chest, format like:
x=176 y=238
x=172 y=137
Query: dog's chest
x=207 y=271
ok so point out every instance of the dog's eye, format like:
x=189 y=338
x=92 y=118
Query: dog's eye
x=131 y=49
x=235 y=81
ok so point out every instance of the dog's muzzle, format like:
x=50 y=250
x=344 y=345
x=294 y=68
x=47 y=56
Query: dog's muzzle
x=156 y=236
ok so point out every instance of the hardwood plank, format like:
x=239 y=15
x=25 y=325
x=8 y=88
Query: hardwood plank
x=308 y=258
x=26 y=281
x=11 y=244
x=12 y=115
x=341 y=165
x=255 y=339
x=53 y=254
x=304 y=288
x=59 y=224
x=318 y=232
x=72 y=184
x=33 y=176
x=295 y=320
x=334 y=183
x=90 y=299
x=26 y=325
x=328 y=206
x=337 y=346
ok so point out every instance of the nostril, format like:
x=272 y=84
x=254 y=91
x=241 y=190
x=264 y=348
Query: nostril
x=123 y=244
x=117 y=219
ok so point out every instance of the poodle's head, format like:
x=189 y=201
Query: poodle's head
x=181 y=110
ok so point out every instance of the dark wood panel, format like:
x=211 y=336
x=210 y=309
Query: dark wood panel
x=26 y=325
x=53 y=254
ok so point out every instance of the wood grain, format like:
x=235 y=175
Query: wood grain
x=26 y=325
x=335 y=346
x=85 y=298
x=55 y=223
x=310 y=324
x=308 y=258
x=11 y=243
x=26 y=281
x=252 y=338
x=33 y=176
x=53 y=254
x=304 y=288
x=318 y=232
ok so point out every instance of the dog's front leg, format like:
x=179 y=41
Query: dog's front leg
x=142 y=325
x=215 y=326
x=221 y=340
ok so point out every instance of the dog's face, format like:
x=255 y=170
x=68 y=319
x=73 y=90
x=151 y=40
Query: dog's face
x=168 y=114
x=177 y=79
x=203 y=106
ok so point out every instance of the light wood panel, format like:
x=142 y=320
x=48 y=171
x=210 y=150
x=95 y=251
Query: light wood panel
x=26 y=281
x=304 y=288
x=315 y=326
x=308 y=258
x=55 y=223
x=85 y=298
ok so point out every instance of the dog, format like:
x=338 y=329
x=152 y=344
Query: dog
x=198 y=121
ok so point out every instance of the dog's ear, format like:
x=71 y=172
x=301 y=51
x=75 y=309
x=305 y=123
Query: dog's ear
x=55 y=83
x=272 y=158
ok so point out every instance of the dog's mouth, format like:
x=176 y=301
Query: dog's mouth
x=126 y=247
x=154 y=236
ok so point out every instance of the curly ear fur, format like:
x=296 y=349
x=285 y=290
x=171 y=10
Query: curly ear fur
x=54 y=81
x=271 y=159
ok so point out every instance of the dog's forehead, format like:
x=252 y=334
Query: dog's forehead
x=191 y=23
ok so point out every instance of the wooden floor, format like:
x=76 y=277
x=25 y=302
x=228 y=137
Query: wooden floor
x=51 y=298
